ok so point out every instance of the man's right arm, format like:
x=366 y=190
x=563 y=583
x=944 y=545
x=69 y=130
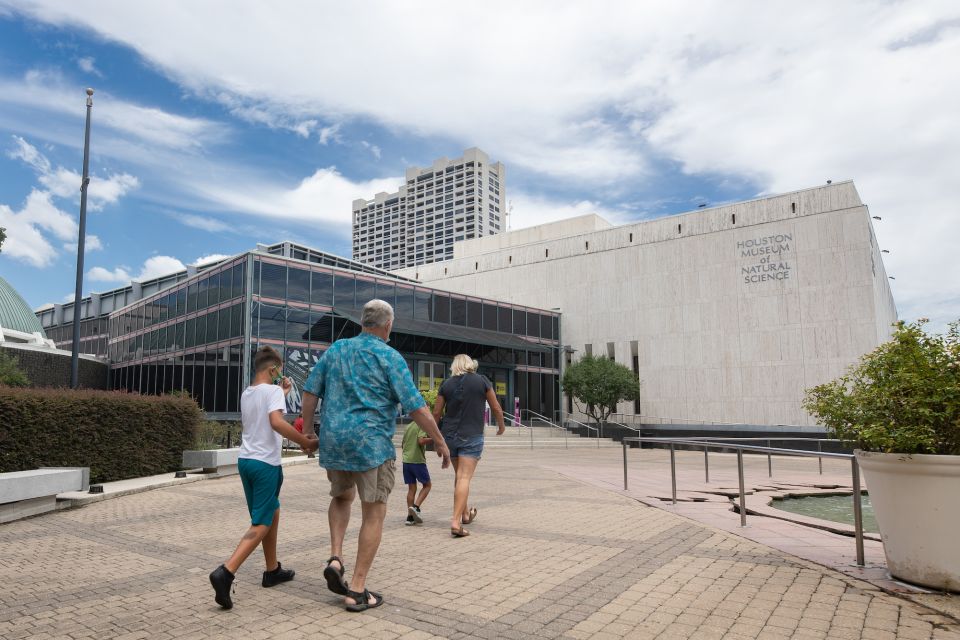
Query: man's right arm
x=426 y=422
x=308 y=410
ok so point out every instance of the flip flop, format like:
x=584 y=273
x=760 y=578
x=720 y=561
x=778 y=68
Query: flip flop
x=459 y=532
x=473 y=516
x=335 y=581
x=362 y=599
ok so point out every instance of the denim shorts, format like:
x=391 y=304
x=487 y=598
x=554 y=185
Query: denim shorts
x=468 y=447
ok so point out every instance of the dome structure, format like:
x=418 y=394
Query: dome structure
x=18 y=323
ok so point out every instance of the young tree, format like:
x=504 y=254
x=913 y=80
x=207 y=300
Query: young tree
x=10 y=373
x=598 y=384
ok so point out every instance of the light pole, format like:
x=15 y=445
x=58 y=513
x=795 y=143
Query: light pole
x=74 y=357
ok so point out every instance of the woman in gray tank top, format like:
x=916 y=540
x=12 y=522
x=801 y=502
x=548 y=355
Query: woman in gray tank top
x=464 y=395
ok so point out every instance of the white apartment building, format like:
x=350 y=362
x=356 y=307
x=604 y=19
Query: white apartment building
x=450 y=201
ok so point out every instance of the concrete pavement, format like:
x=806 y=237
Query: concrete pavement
x=555 y=553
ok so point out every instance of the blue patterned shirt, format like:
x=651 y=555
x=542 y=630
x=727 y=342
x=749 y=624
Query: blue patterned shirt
x=361 y=381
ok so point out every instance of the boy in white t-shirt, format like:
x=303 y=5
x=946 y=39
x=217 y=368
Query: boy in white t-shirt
x=262 y=405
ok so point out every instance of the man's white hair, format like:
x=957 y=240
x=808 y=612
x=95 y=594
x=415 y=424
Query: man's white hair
x=376 y=313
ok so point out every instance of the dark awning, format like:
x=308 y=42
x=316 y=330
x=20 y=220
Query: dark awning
x=445 y=331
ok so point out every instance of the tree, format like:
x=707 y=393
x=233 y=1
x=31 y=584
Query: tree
x=903 y=397
x=10 y=373
x=598 y=384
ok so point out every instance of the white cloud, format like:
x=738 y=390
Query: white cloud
x=531 y=210
x=153 y=267
x=100 y=274
x=204 y=223
x=331 y=133
x=87 y=65
x=324 y=197
x=48 y=93
x=785 y=96
x=372 y=148
x=213 y=257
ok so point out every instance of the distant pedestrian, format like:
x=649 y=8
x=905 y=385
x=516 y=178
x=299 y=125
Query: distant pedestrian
x=415 y=470
x=361 y=381
x=463 y=396
x=261 y=407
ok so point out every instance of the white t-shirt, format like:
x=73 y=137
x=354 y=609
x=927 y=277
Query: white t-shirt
x=260 y=441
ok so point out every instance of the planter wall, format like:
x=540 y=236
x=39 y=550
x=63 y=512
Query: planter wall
x=916 y=500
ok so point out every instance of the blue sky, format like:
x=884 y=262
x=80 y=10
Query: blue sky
x=218 y=125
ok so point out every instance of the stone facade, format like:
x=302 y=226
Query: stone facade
x=727 y=314
x=51 y=367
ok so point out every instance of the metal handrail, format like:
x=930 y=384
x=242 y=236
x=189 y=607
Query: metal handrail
x=588 y=427
x=672 y=420
x=740 y=448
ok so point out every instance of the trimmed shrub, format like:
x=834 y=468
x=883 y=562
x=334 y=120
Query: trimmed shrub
x=10 y=373
x=118 y=435
x=217 y=435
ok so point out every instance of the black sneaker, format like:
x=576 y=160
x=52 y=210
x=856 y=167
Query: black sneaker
x=278 y=575
x=410 y=521
x=222 y=579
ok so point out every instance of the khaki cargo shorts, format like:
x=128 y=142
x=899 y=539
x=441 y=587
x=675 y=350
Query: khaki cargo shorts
x=373 y=485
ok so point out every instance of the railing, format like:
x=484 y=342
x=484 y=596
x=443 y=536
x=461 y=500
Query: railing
x=536 y=417
x=588 y=427
x=740 y=448
x=648 y=419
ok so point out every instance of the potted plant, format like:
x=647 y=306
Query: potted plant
x=901 y=407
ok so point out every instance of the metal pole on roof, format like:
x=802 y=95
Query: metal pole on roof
x=78 y=292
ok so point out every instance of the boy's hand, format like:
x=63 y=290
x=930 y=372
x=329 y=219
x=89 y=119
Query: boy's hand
x=286 y=385
x=314 y=443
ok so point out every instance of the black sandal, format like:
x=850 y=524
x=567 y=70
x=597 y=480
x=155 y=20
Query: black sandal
x=362 y=600
x=335 y=581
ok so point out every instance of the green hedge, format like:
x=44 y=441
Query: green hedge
x=117 y=435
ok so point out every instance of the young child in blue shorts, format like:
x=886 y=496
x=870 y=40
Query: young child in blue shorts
x=415 y=470
x=262 y=405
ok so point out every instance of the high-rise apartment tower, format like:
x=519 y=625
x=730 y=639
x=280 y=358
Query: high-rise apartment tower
x=450 y=201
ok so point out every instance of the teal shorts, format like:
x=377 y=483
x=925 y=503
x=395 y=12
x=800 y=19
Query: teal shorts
x=261 y=486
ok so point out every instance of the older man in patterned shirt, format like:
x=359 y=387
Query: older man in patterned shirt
x=361 y=381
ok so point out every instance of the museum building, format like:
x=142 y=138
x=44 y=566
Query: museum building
x=196 y=330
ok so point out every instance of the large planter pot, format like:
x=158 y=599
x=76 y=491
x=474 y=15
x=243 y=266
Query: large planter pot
x=916 y=499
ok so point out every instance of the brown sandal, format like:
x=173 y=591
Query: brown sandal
x=473 y=516
x=459 y=532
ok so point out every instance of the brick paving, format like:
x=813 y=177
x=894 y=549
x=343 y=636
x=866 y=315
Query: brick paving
x=550 y=557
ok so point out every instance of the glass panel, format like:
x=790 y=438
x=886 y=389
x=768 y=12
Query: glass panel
x=458 y=311
x=201 y=330
x=421 y=309
x=321 y=327
x=237 y=281
x=179 y=337
x=273 y=280
x=233 y=387
x=182 y=301
x=213 y=293
x=236 y=321
x=489 y=316
x=223 y=325
x=404 y=306
x=202 y=293
x=298 y=285
x=223 y=377
x=474 y=314
x=366 y=291
x=505 y=316
x=441 y=308
x=190 y=340
x=343 y=328
x=192 y=297
x=226 y=287
x=520 y=322
x=298 y=325
x=172 y=306
x=272 y=322
x=210 y=382
x=533 y=324
x=162 y=302
x=321 y=288
x=344 y=288
x=387 y=291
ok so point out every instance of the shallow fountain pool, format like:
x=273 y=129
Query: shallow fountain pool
x=833 y=508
